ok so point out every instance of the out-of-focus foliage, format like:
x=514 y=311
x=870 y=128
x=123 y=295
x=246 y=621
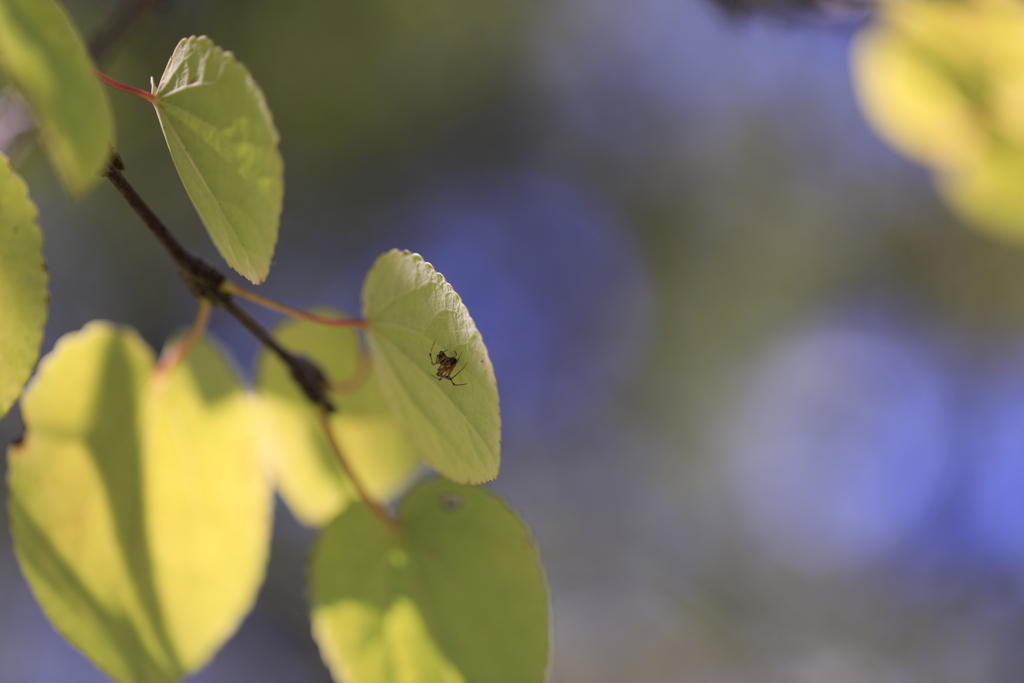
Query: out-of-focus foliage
x=23 y=295
x=139 y=511
x=305 y=468
x=45 y=58
x=224 y=145
x=418 y=324
x=790 y=400
x=455 y=595
x=943 y=81
x=368 y=81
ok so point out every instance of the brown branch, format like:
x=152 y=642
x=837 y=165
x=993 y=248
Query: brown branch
x=376 y=508
x=207 y=283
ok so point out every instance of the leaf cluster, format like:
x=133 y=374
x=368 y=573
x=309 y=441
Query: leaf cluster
x=141 y=493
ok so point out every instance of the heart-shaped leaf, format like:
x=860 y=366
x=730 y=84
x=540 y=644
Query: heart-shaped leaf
x=139 y=512
x=224 y=145
x=434 y=368
x=23 y=296
x=455 y=595
x=46 y=60
x=306 y=469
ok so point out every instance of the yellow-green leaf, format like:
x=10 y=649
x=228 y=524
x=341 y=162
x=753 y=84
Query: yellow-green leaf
x=452 y=417
x=224 y=144
x=139 y=512
x=455 y=595
x=23 y=296
x=46 y=60
x=943 y=82
x=306 y=469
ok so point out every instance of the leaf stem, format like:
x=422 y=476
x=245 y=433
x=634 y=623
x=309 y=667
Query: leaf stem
x=148 y=96
x=376 y=508
x=358 y=378
x=179 y=352
x=206 y=282
x=239 y=291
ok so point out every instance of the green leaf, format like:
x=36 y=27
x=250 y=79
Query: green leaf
x=23 y=296
x=413 y=315
x=456 y=595
x=306 y=469
x=990 y=196
x=224 y=145
x=46 y=60
x=138 y=509
x=943 y=82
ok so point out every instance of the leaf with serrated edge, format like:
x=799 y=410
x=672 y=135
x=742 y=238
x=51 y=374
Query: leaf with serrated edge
x=46 y=60
x=224 y=144
x=23 y=296
x=455 y=595
x=139 y=512
x=306 y=469
x=411 y=309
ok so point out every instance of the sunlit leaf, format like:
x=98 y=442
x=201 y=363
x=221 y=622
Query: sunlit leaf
x=139 y=513
x=224 y=145
x=456 y=595
x=46 y=60
x=414 y=314
x=990 y=195
x=23 y=296
x=943 y=82
x=306 y=469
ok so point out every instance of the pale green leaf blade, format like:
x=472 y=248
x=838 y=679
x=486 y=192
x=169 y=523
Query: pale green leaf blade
x=456 y=595
x=75 y=492
x=106 y=503
x=208 y=502
x=46 y=60
x=413 y=315
x=23 y=294
x=306 y=470
x=225 y=146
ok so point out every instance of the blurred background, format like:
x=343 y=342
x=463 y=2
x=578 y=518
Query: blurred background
x=762 y=393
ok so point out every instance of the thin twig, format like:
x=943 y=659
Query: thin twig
x=376 y=508
x=206 y=282
x=131 y=89
x=182 y=256
x=237 y=290
x=310 y=378
x=179 y=352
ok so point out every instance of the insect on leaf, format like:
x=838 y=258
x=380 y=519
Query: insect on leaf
x=139 y=512
x=414 y=315
x=306 y=469
x=23 y=296
x=46 y=61
x=224 y=144
x=455 y=595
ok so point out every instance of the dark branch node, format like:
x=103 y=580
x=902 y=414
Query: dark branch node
x=312 y=381
x=207 y=282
